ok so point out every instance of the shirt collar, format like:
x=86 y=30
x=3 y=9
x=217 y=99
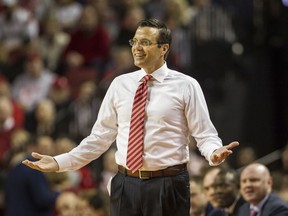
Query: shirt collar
x=158 y=74
x=259 y=205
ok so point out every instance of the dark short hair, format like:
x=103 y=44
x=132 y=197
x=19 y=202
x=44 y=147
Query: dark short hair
x=234 y=175
x=164 y=33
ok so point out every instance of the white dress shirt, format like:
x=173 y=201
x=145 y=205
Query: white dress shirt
x=176 y=109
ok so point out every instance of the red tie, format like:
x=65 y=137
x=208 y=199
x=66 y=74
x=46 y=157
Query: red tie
x=136 y=134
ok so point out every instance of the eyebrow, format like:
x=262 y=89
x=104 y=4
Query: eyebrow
x=141 y=39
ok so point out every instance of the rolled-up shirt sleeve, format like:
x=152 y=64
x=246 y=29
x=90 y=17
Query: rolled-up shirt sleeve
x=199 y=122
x=102 y=135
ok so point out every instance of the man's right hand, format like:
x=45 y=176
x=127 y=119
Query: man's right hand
x=45 y=163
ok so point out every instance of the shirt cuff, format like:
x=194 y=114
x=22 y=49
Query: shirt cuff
x=209 y=159
x=64 y=162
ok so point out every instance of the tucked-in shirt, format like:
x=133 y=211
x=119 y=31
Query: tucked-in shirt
x=175 y=110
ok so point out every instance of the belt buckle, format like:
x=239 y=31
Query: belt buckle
x=141 y=176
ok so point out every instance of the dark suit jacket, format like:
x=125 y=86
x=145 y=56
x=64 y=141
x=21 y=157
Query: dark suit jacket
x=237 y=206
x=220 y=212
x=28 y=193
x=274 y=206
x=210 y=211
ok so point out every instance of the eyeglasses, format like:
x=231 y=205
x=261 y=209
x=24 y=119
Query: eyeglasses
x=143 y=43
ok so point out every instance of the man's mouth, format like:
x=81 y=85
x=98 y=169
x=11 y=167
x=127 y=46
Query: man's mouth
x=139 y=55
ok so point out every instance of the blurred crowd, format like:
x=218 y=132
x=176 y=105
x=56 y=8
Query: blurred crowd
x=58 y=58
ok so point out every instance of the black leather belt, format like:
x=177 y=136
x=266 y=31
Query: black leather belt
x=143 y=174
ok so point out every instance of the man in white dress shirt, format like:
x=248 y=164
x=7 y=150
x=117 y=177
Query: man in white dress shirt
x=175 y=110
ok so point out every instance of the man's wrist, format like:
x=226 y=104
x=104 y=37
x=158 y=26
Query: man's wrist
x=58 y=168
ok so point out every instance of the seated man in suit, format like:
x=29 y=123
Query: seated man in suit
x=198 y=200
x=256 y=189
x=209 y=192
x=227 y=192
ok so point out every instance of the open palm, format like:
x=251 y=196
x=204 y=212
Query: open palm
x=45 y=163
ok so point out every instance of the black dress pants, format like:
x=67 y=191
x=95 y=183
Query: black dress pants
x=161 y=196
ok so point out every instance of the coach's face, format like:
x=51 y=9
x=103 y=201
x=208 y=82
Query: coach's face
x=147 y=53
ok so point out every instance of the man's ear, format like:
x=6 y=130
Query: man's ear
x=165 y=48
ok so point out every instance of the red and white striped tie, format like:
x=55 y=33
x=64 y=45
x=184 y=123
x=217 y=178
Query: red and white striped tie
x=136 y=135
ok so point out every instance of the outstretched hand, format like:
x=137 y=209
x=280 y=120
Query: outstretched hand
x=222 y=153
x=45 y=163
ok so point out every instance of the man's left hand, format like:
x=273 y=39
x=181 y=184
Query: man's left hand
x=222 y=153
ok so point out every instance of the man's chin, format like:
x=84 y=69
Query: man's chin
x=137 y=64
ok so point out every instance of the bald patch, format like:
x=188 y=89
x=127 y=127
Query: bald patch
x=258 y=168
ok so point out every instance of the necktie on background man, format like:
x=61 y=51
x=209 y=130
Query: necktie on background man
x=253 y=212
x=136 y=134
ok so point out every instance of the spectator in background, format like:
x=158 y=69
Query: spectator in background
x=60 y=94
x=42 y=121
x=97 y=205
x=198 y=201
x=177 y=14
x=121 y=62
x=38 y=8
x=17 y=25
x=7 y=126
x=256 y=188
x=93 y=204
x=280 y=185
x=154 y=9
x=89 y=45
x=208 y=180
x=128 y=24
x=123 y=5
x=68 y=13
x=108 y=16
x=5 y=90
x=3 y=59
x=84 y=110
x=52 y=41
x=19 y=140
x=33 y=83
x=27 y=191
x=68 y=204
x=227 y=192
